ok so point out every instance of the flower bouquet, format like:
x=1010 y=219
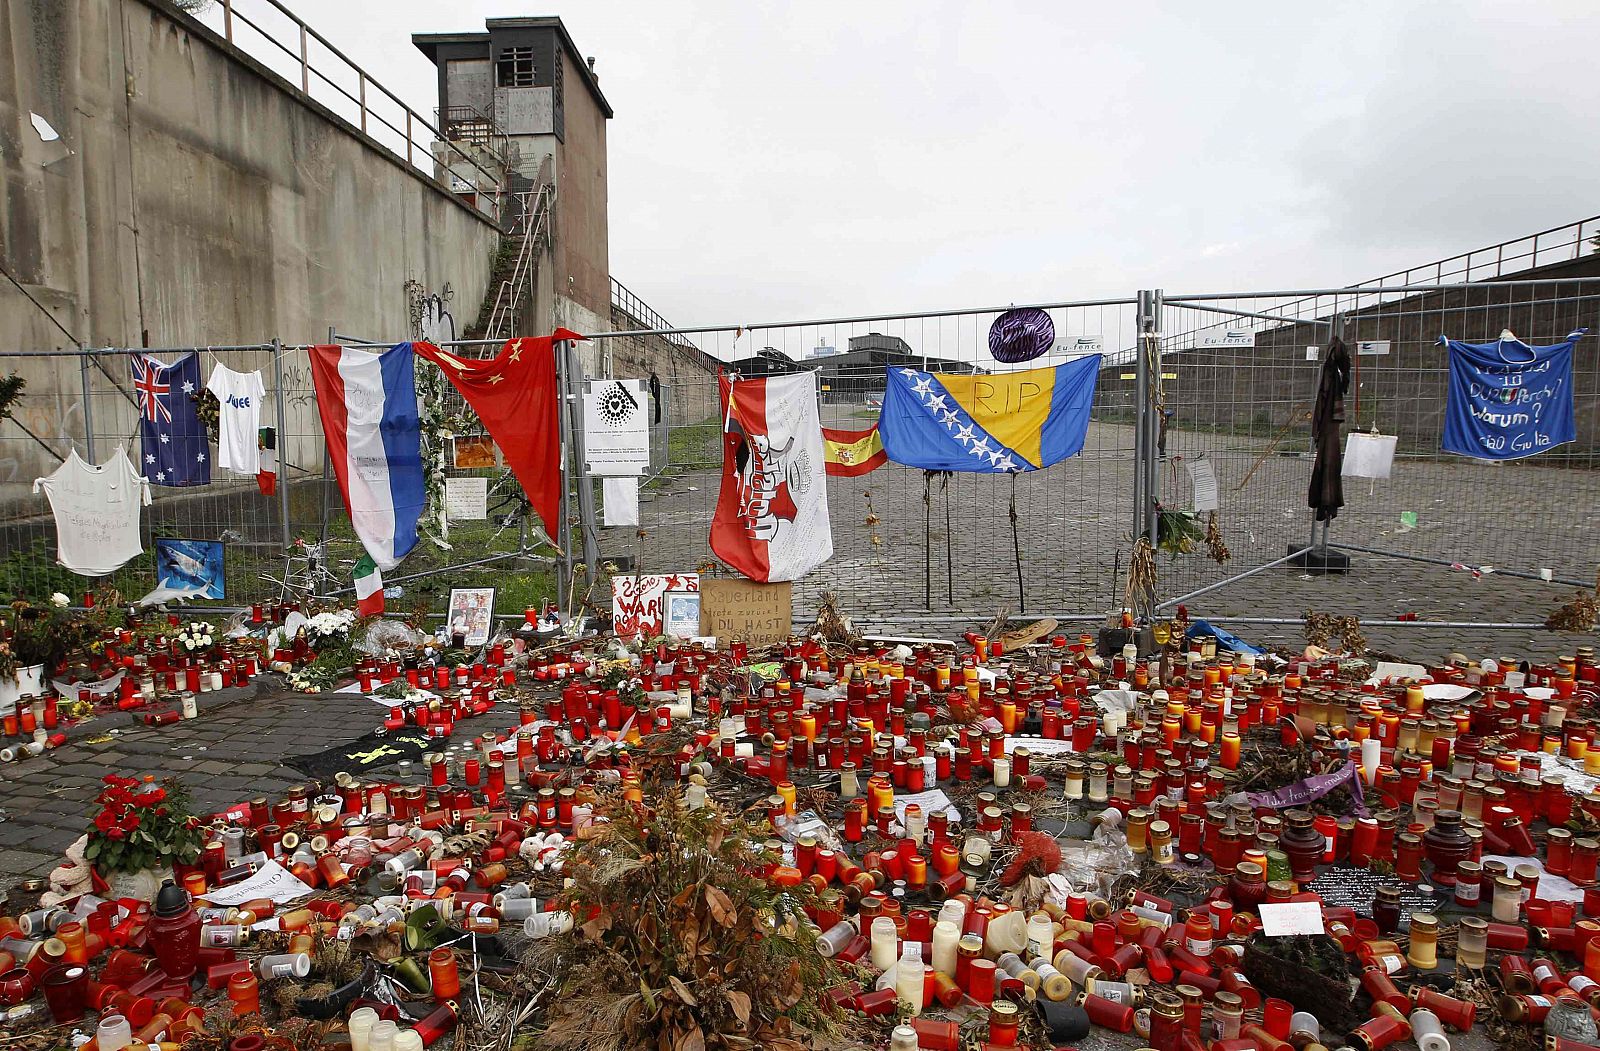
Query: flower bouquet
x=196 y=637
x=331 y=625
x=140 y=829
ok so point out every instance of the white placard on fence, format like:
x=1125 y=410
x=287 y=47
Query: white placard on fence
x=616 y=428
x=466 y=499
x=1373 y=346
x=1228 y=337
x=1204 y=479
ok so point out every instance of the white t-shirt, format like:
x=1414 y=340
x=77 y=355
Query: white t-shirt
x=240 y=394
x=97 y=512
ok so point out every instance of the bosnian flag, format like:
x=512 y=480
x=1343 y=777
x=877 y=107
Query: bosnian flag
x=368 y=403
x=772 y=514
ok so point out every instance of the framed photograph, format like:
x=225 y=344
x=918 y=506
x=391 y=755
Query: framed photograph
x=192 y=567
x=472 y=451
x=681 y=616
x=471 y=614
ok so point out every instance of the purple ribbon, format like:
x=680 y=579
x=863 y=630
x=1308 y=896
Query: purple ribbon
x=1302 y=792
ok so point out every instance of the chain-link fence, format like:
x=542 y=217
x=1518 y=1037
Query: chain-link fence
x=1444 y=538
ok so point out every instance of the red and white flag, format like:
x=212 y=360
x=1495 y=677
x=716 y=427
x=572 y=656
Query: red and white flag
x=772 y=514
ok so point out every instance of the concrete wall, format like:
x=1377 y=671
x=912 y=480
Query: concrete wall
x=582 y=259
x=198 y=200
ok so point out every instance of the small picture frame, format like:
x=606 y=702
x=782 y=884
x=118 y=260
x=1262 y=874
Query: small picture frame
x=680 y=615
x=190 y=567
x=472 y=452
x=471 y=614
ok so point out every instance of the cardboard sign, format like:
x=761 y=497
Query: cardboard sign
x=761 y=614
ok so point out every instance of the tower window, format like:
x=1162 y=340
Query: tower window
x=514 y=68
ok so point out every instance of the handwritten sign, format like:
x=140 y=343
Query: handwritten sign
x=1282 y=918
x=1346 y=886
x=638 y=602
x=1508 y=400
x=761 y=614
x=466 y=499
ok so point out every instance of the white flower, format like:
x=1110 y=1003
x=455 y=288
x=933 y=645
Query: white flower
x=59 y=600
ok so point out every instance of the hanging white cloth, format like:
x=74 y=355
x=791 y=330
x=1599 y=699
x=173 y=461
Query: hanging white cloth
x=621 y=500
x=96 y=511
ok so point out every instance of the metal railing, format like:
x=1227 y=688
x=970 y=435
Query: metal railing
x=379 y=114
x=534 y=228
x=645 y=317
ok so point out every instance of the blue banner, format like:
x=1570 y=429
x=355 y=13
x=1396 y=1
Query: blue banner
x=1509 y=400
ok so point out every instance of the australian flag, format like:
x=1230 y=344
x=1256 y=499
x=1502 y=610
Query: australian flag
x=175 y=449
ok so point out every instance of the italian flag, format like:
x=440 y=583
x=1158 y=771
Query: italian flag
x=369 y=587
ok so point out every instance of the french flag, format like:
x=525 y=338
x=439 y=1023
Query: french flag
x=368 y=403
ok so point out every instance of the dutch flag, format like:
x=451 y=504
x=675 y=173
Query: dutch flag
x=368 y=403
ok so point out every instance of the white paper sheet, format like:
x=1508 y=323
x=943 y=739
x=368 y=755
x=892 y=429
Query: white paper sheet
x=1203 y=477
x=1282 y=918
x=1368 y=455
x=272 y=881
x=619 y=501
x=1551 y=888
x=931 y=801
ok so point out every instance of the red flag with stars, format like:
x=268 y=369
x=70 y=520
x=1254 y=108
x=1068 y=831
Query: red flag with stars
x=514 y=394
x=771 y=521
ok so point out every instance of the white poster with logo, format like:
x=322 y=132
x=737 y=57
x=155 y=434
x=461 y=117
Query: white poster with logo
x=616 y=428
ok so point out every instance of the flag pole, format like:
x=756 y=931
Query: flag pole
x=949 y=562
x=1016 y=546
x=927 y=538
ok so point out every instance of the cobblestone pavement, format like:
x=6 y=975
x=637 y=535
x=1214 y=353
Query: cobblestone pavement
x=233 y=752
x=1074 y=521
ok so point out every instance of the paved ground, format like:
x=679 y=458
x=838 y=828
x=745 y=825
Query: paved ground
x=233 y=752
x=1075 y=520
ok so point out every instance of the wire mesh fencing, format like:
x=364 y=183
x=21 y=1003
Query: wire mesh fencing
x=1443 y=538
x=1242 y=375
x=909 y=543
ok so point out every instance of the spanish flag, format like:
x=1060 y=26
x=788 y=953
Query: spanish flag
x=853 y=453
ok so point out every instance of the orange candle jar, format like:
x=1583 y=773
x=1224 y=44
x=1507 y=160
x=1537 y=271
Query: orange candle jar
x=244 y=991
x=444 y=973
x=1231 y=751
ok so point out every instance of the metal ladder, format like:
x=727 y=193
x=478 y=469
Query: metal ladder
x=534 y=228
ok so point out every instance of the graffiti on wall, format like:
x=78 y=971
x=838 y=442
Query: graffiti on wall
x=429 y=312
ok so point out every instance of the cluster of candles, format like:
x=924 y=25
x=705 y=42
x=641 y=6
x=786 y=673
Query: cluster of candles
x=155 y=674
x=1454 y=776
x=334 y=839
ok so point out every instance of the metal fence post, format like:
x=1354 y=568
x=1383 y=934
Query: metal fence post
x=88 y=413
x=564 y=414
x=586 y=518
x=283 y=440
x=1152 y=444
x=1141 y=392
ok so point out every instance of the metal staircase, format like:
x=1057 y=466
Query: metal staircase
x=533 y=236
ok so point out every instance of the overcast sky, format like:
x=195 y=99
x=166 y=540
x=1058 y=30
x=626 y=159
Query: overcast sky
x=773 y=161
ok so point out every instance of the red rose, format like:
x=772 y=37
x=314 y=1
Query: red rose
x=114 y=833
